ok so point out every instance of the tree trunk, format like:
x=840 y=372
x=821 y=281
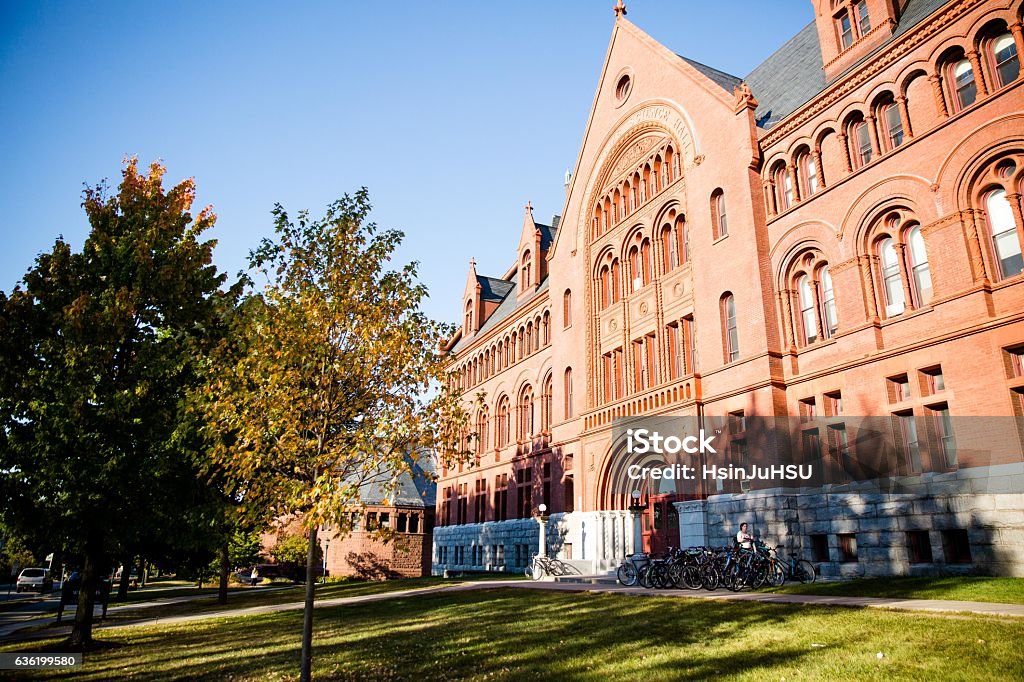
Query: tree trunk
x=81 y=632
x=225 y=568
x=126 y=573
x=307 y=615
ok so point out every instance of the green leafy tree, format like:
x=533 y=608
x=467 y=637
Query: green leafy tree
x=96 y=350
x=338 y=382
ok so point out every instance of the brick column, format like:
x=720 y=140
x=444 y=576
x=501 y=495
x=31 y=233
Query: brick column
x=901 y=104
x=1018 y=37
x=816 y=155
x=1018 y=217
x=769 y=197
x=791 y=169
x=940 y=98
x=867 y=279
x=787 y=318
x=816 y=302
x=901 y=259
x=846 y=151
x=974 y=251
x=979 y=73
x=876 y=149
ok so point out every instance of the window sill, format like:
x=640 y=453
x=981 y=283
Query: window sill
x=719 y=239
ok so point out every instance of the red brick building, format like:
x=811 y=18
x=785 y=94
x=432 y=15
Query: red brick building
x=837 y=233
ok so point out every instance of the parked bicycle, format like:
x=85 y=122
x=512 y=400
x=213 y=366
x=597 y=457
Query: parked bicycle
x=540 y=566
x=794 y=568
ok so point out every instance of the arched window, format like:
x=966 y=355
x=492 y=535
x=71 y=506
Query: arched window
x=501 y=429
x=859 y=139
x=481 y=431
x=527 y=270
x=830 y=320
x=965 y=91
x=545 y=404
x=783 y=187
x=567 y=308
x=567 y=392
x=674 y=246
x=730 y=334
x=616 y=284
x=808 y=172
x=1002 y=54
x=719 y=225
x=888 y=117
x=525 y=430
x=918 y=262
x=640 y=265
x=1003 y=228
x=546 y=326
x=892 y=282
x=605 y=279
x=808 y=311
x=469 y=318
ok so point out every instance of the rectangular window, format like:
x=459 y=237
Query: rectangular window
x=737 y=422
x=1014 y=362
x=845 y=27
x=893 y=125
x=910 y=441
x=524 y=493
x=570 y=494
x=819 y=547
x=932 y=381
x=403 y=523
x=956 y=546
x=808 y=410
x=690 y=339
x=501 y=497
x=676 y=351
x=946 y=441
x=919 y=547
x=898 y=388
x=811 y=445
x=414 y=523
x=833 y=404
x=848 y=548
x=863 y=140
x=840 y=442
x=546 y=486
x=863 y=20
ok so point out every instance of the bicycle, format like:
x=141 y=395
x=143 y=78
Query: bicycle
x=794 y=568
x=539 y=566
x=628 y=573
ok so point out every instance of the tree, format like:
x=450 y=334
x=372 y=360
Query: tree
x=337 y=382
x=96 y=350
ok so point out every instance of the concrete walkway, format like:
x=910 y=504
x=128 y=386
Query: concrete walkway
x=928 y=605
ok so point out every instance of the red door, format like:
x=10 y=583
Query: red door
x=660 y=524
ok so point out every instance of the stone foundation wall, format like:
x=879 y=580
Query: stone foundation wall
x=498 y=546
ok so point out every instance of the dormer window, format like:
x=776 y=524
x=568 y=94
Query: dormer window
x=845 y=26
x=852 y=23
x=526 y=270
x=863 y=20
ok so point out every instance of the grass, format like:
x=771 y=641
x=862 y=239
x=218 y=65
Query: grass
x=1001 y=590
x=526 y=634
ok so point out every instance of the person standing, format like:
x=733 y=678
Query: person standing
x=743 y=537
x=254 y=577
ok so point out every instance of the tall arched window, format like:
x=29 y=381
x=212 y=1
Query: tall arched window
x=860 y=142
x=783 y=187
x=545 y=404
x=730 y=334
x=808 y=172
x=673 y=244
x=892 y=125
x=640 y=265
x=567 y=308
x=965 y=90
x=830 y=320
x=1002 y=53
x=481 y=431
x=546 y=326
x=605 y=280
x=469 y=318
x=527 y=270
x=808 y=312
x=719 y=224
x=525 y=430
x=502 y=428
x=918 y=263
x=616 y=283
x=892 y=282
x=1003 y=228
x=567 y=392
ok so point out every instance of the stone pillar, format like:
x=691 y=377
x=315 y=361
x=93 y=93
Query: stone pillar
x=791 y=169
x=979 y=74
x=638 y=538
x=901 y=104
x=940 y=98
x=787 y=318
x=974 y=246
x=901 y=259
x=847 y=162
x=876 y=149
x=769 y=197
x=816 y=155
x=818 y=313
x=870 y=300
x=1018 y=37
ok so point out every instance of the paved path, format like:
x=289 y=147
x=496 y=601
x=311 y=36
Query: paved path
x=930 y=605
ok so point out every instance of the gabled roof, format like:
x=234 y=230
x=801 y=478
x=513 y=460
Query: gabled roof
x=547 y=234
x=726 y=80
x=416 y=486
x=492 y=288
x=507 y=306
x=788 y=78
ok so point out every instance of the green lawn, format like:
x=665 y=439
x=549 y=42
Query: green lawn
x=524 y=634
x=1001 y=590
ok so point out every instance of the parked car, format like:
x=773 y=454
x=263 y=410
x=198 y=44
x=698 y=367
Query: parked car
x=35 y=579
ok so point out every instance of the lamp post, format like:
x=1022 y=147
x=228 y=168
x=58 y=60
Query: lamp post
x=635 y=509
x=542 y=520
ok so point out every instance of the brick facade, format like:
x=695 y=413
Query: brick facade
x=840 y=230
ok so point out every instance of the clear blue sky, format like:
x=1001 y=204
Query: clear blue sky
x=453 y=114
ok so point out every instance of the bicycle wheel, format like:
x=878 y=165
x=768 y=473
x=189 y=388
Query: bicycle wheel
x=691 y=577
x=538 y=571
x=710 y=578
x=627 y=574
x=675 y=575
x=643 y=576
x=804 y=571
x=528 y=572
x=776 y=574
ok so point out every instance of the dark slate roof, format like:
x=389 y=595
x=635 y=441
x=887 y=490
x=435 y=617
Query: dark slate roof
x=416 y=486
x=725 y=80
x=915 y=12
x=504 y=309
x=788 y=78
x=492 y=288
x=547 y=234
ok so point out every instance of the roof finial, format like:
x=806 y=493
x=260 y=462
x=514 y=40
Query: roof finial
x=529 y=207
x=620 y=9
x=472 y=263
